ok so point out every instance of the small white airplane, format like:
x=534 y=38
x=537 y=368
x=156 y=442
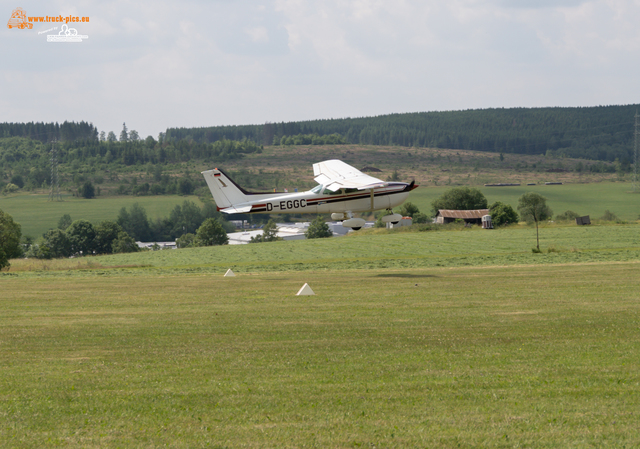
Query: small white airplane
x=342 y=191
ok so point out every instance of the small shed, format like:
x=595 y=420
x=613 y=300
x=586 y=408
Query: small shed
x=469 y=216
x=583 y=220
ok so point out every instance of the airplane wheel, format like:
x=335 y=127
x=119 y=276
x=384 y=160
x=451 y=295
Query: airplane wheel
x=395 y=222
x=356 y=229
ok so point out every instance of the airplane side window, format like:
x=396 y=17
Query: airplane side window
x=328 y=192
x=350 y=190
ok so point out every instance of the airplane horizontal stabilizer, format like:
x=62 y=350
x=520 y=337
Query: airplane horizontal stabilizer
x=236 y=210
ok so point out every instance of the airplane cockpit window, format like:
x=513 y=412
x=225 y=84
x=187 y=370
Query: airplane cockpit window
x=317 y=189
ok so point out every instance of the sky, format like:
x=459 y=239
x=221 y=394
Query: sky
x=159 y=64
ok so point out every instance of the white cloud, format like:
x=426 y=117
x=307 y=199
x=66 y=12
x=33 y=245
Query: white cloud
x=258 y=34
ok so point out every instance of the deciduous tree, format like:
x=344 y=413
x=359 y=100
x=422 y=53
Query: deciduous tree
x=318 y=229
x=186 y=218
x=107 y=233
x=135 y=223
x=87 y=190
x=81 y=234
x=10 y=233
x=64 y=222
x=124 y=244
x=269 y=233
x=460 y=198
x=533 y=208
x=55 y=244
x=211 y=233
x=409 y=209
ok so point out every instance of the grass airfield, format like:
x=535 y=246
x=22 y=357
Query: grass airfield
x=459 y=338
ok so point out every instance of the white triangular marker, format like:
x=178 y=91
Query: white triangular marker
x=229 y=273
x=305 y=290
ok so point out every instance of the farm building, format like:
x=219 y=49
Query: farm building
x=469 y=216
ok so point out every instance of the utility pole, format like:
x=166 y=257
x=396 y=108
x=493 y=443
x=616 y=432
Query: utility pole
x=636 y=186
x=54 y=194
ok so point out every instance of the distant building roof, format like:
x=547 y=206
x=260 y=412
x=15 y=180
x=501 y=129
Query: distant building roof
x=468 y=214
x=288 y=231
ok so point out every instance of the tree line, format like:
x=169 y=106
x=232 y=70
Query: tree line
x=15 y=150
x=48 y=132
x=188 y=224
x=27 y=162
x=599 y=133
x=183 y=219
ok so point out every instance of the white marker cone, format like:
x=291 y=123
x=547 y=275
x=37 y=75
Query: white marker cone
x=305 y=290
x=229 y=273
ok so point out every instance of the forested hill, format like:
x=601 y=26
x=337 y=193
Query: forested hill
x=601 y=132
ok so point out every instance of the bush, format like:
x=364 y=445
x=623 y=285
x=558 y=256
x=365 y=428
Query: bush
x=10 y=188
x=185 y=240
x=568 y=215
x=609 y=216
x=502 y=214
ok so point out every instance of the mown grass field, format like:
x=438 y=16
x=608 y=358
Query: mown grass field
x=36 y=214
x=432 y=339
x=375 y=249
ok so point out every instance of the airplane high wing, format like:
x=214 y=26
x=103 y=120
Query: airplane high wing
x=342 y=190
x=336 y=175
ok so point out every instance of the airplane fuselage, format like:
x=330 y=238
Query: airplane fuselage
x=341 y=192
x=321 y=202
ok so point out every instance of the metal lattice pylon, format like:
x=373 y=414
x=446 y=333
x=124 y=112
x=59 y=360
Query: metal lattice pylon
x=54 y=194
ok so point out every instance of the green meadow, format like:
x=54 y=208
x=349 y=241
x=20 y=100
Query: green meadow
x=36 y=214
x=591 y=199
x=458 y=338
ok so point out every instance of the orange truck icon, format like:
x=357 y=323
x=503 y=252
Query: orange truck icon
x=19 y=20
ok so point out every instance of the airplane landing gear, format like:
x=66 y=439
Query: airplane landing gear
x=391 y=218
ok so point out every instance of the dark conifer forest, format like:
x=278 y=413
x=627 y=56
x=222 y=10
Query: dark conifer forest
x=599 y=133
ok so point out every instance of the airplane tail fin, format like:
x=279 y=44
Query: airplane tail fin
x=226 y=193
